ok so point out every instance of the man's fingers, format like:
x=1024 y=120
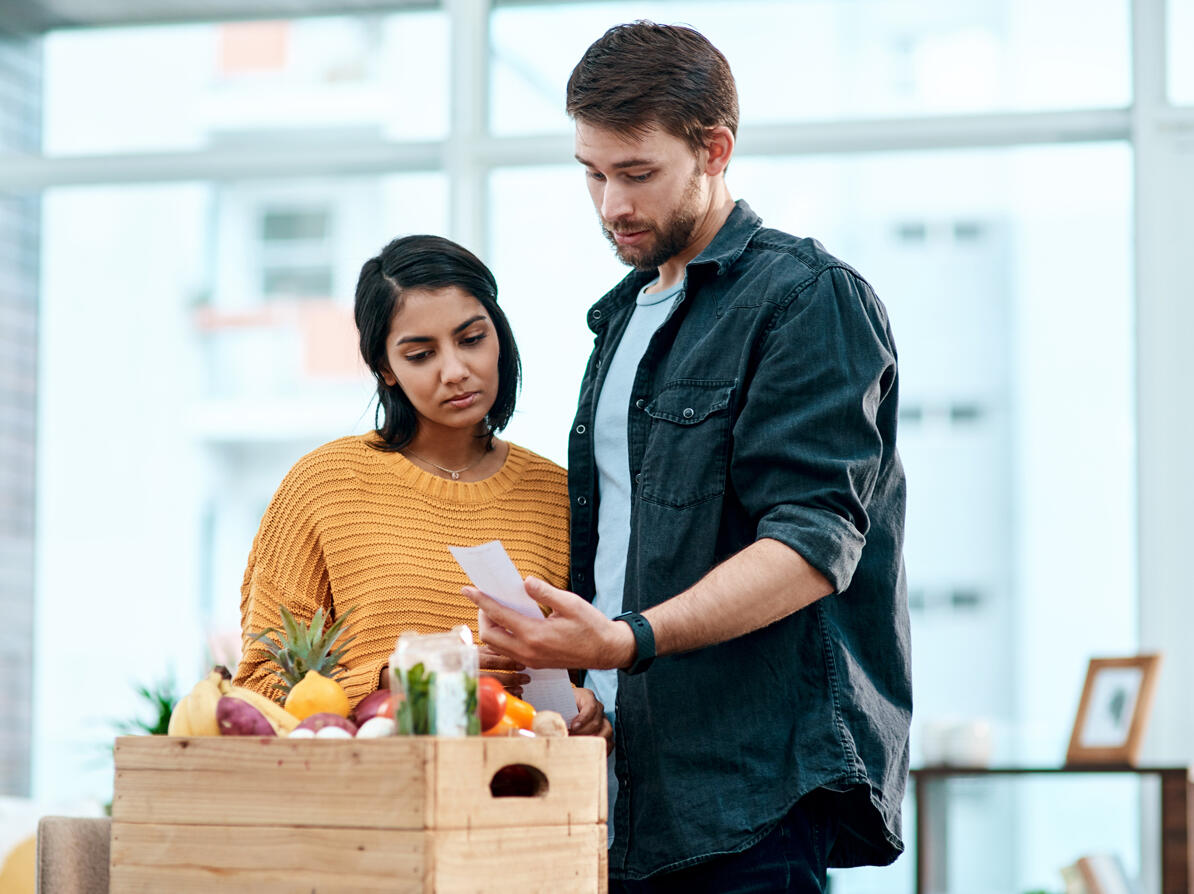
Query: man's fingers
x=502 y=641
x=544 y=593
x=491 y=659
x=496 y=614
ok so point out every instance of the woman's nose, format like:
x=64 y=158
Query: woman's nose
x=454 y=368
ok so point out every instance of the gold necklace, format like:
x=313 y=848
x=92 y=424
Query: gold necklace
x=455 y=473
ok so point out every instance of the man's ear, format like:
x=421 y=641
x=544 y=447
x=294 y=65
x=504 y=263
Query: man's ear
x=719 y=146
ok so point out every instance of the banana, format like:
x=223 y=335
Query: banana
x=195 y=713
x=278 y=718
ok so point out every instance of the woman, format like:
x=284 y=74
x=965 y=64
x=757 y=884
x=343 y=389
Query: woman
x=365 y=522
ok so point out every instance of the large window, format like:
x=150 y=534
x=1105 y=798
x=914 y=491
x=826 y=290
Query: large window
x=152 y=89
x=206 y=211
x=828 y=59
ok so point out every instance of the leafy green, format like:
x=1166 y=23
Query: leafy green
x=161 y=697
x=414 y=713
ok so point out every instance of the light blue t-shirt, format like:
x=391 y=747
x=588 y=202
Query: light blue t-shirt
x=613 y=481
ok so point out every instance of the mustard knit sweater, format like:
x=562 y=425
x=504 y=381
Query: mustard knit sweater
x=353 y=525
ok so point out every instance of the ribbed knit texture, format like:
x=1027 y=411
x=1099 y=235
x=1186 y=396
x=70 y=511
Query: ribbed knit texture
x=351 y=525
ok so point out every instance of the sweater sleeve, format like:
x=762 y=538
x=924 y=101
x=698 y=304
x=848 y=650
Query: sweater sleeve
x=260 y=601
x=362 y=680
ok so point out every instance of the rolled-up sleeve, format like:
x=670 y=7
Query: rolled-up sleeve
x=807 y=445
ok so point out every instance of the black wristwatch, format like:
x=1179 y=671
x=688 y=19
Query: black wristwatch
x=644 y=641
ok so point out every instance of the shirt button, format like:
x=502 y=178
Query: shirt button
x=688 y=413
x=596 y=315
x=640 y=403
x=580 y=429
x=582 y=501
x=638 y=478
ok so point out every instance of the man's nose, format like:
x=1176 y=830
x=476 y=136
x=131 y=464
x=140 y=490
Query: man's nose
x=615 y=202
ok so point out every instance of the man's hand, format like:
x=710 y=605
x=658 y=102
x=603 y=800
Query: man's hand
x=590 y=719
x=505 y=669
x=575 y=634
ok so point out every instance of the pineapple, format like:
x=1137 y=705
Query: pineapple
x=301 y=649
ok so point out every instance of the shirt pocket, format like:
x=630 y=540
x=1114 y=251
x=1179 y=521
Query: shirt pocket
x=688 y=442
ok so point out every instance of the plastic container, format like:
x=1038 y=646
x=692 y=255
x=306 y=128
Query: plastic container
x=436 y=675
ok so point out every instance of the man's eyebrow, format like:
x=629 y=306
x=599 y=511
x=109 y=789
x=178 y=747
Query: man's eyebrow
x=619 y=165
x=456 y=331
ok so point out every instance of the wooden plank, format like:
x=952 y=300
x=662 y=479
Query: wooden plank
x=400 y=783
x=534 y=860
x=192 y=753
x=201 y=880
x=286 y=798
x=574 y=770
x=264 y=860
x=271 y=782
x=283 y=860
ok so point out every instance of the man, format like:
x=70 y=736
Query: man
x=736 y=492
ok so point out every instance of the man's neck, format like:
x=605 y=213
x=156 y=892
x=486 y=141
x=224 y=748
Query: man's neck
x=671 y=271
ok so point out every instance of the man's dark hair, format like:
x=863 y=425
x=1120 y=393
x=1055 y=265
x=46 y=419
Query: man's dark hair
x=640 y=75
x=426 y=262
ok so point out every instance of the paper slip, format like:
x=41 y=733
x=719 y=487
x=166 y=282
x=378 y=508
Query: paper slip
x=492 y=572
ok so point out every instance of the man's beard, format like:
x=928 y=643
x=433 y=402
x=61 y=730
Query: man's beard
x=670 y=239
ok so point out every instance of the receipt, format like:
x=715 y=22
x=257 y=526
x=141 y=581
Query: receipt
x=492 y=572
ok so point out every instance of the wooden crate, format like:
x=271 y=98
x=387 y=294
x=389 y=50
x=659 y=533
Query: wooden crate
x=401 y=814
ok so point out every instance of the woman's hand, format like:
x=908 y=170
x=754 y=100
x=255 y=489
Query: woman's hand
x=590 y=719
x=505 y=669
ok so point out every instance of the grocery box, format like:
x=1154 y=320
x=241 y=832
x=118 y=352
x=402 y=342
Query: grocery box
x=408 y=813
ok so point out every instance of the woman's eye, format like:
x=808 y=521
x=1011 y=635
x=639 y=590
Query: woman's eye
x=418 y=358
x=473 y=339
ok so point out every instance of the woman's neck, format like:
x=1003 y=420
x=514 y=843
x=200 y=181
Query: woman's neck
x=449 y=448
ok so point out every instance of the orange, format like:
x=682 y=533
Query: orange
x=316 y=694
x=522 y=713
x=503 y=727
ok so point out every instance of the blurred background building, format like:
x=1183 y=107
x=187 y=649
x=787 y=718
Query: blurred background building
x=185 y=203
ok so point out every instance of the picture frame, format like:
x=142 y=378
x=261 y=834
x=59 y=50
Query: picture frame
x=1112 y=714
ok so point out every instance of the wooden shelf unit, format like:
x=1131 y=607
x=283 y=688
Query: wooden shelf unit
x=1176 y=821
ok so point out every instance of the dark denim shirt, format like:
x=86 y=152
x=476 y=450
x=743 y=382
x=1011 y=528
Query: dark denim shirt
x=764 y=407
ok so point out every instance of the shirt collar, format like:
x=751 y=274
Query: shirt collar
x=727 y=246
x=731 y=240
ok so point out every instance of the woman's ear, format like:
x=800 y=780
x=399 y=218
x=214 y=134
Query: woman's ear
x=388 y=377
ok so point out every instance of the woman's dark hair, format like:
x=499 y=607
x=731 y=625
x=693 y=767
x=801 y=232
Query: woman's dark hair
x=426 y=262
x=641 y=75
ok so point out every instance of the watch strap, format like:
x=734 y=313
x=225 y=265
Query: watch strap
x=644 y=641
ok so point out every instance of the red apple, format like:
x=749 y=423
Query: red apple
x=375 y=704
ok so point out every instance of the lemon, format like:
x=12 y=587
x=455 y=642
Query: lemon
x=316 y=694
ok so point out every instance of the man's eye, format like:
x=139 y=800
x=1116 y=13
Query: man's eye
x=641 y=178
x=593 y=175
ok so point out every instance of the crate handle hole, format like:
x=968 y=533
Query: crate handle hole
x=518 y=781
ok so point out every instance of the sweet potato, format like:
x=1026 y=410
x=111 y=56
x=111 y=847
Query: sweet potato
x=239 y=718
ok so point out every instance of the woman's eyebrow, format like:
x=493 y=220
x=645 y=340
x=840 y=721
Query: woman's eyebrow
x=456 y=331
x=468 y=323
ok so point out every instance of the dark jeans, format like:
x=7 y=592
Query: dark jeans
x=791 y=857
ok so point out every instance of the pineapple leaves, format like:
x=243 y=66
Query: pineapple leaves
x=301 y=647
